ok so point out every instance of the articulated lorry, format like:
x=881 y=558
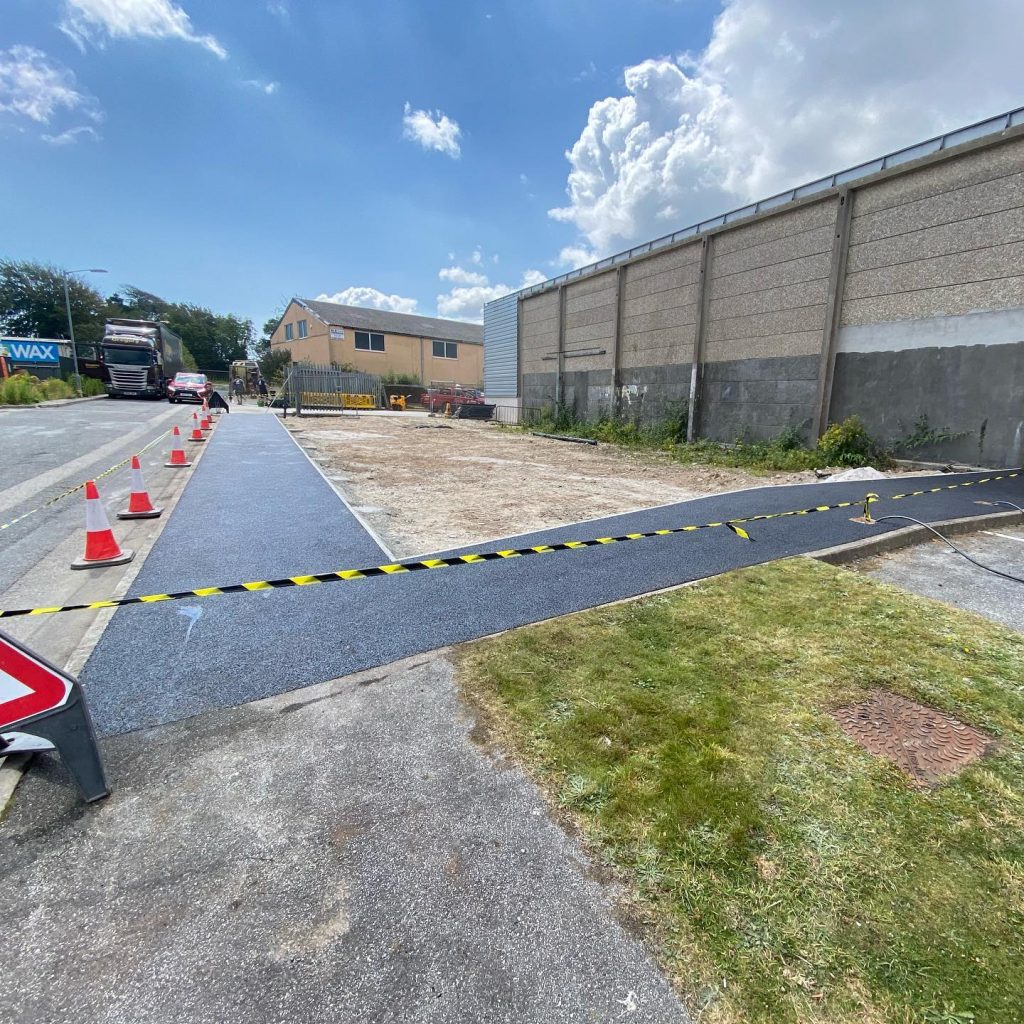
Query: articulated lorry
x=138 y=358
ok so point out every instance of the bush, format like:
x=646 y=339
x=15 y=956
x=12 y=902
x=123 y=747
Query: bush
x=19 y=390
x=91 y=387
x=849 y=444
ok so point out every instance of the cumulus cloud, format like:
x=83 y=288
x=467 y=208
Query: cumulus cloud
x=573 y=256
x=72 y=135
x=279 y=9
x=96 y=20
x=459 y=275
x=786 y=91
x=466 y=300
x=432 y=130
x=34 y=86
x=361 y=295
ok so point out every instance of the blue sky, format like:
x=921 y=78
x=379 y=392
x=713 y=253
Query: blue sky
x=237 y=153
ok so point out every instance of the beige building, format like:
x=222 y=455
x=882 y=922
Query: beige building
x=381 y=342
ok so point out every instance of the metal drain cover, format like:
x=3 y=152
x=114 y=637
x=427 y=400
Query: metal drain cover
x=928 y=745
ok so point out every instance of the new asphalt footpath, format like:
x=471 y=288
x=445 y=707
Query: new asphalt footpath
x=257 y=509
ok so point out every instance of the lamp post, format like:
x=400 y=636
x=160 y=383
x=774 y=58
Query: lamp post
x=71 y=326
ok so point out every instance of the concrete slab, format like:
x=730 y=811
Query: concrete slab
x=934 y=570
x=347 y=854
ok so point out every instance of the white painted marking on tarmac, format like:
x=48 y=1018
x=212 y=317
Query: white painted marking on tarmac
x=1005 y=536
x=192 y=612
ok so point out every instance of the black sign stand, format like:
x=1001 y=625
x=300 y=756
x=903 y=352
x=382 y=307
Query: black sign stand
x=67 y=728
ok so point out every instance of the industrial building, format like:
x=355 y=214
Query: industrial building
x=380 y=342
x=893 y=290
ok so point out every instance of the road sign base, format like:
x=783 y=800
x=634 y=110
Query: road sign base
x=196 y=440
x=178 y=465
x=47 y=718
x=82 y=563
x=141 y=515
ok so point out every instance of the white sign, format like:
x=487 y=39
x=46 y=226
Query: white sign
x=337 y=334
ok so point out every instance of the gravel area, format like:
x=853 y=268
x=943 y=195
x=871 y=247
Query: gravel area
x=427 y=485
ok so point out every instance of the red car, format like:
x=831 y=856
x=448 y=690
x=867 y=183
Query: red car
x=453 y=395
x=188 y=387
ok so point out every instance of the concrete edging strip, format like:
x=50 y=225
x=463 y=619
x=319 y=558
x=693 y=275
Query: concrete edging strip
x=894 y=540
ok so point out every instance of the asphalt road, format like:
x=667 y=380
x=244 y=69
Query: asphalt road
x=46 y=450
x=257 y=509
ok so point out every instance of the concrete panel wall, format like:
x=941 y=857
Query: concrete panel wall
x=767 y=293
x=927 y=292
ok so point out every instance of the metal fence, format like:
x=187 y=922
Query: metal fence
x=521 y=415
x=314 y=388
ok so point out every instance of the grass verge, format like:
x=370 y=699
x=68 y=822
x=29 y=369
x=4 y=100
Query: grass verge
x=785 y=874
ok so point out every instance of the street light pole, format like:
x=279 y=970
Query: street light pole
x=71 y=326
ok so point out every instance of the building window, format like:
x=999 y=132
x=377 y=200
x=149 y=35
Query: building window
x=303 y=329
x=446 y=350
x=288 y=332
x=367 y=342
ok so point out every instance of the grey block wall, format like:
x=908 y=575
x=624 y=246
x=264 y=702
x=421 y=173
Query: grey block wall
x=767 y=291
x=910 y=282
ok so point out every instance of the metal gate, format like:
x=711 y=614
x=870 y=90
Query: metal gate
x=315 y=388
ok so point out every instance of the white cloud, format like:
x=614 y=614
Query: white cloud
x=279 y=9
x=35 y=87
x=573 y=256
x=466 y=301
x=477 y=256
x=432 y=130
x=362 y=295
x=72 y=135
x=94 y=20
x=786 y=91
x=265 y=87
x=459 y=275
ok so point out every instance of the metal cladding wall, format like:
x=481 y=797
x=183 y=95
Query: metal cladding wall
x=896 y=294
x=501 y=332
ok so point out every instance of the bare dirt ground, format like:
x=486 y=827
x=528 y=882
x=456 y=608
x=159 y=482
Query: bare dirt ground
x=425 y=484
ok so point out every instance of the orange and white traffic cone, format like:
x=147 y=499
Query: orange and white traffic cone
x=205 y=423
x=177 y=452
x=100 y=546
x=139 y=505
x=197 y=433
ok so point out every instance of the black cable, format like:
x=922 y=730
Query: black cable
x=959 y=551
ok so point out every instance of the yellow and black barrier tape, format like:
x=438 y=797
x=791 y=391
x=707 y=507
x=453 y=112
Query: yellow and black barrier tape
x=78 y=487
x=475 y=558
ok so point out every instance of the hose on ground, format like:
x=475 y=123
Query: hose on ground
x=959 y=551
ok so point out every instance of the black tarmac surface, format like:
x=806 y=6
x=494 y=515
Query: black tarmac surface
x=257 y=509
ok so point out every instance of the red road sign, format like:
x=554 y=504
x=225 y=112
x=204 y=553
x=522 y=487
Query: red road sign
x=27 y=686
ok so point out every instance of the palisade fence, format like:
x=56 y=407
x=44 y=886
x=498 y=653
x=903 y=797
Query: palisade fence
x=311 y=387
x=522 y=416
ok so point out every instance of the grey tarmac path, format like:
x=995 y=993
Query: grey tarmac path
x=344 y=854
x=246 y=518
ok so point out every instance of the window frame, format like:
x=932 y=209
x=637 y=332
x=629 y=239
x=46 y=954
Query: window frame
x=289 y=332
x=446 y=347
x=303 y=329
x=369 y=336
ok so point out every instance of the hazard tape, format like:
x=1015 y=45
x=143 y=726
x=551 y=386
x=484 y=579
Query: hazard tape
x=476 y=558
x=78 y=487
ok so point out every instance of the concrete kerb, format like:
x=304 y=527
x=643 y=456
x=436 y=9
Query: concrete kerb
x=893 y=540
x=53 y=402
x=13 y=768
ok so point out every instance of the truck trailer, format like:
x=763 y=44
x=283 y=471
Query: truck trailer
x=138 y=358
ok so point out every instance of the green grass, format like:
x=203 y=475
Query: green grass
x=844 y=444
x=22 y=389
x=784 y=874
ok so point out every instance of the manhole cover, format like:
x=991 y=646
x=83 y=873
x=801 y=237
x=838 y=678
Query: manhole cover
x=927 y=744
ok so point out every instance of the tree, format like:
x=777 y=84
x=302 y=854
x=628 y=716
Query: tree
x=32 y=303
x=274 y=364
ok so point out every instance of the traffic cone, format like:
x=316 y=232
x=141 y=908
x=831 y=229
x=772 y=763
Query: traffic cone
x=139 y=505
x=204 y=423
x=100 y=546
x=177 y=452
x=197 y=433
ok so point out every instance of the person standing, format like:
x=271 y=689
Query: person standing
x=264 y=391
x=238 y=386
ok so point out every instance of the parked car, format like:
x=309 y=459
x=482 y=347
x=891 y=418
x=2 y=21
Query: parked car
x=452 y=395
x=188 y=387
